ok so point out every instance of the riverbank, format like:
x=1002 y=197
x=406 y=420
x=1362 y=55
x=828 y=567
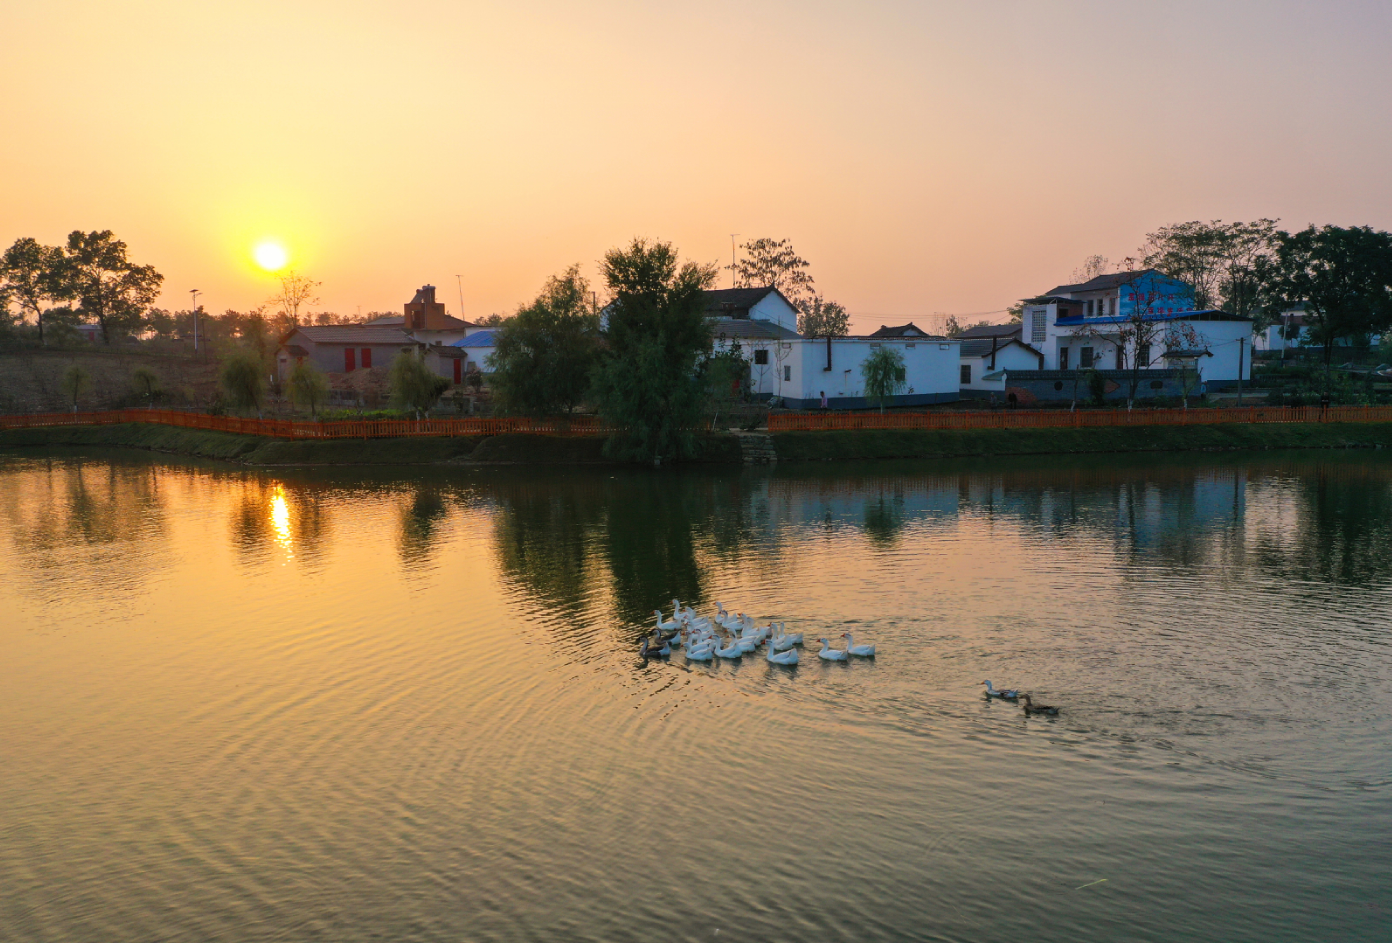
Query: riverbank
x=858 y=445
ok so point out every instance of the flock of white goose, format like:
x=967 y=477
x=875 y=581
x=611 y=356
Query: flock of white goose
x=732 y=636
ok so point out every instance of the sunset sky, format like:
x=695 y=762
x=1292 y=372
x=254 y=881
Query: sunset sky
x=923 y=156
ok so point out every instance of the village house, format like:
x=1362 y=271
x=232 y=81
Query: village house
x=798 y=371
x=342 y=348
x=1092 y=326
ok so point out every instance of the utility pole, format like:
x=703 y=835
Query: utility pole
x=459 y=280
x=193 y=304
x=732 y=258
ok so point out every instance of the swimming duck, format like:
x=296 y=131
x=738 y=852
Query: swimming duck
x=1008 y=695
x=732 y=650
x=1033 y=708
x=665 y=625
x=864 y=651
x=829 y=653
x=651 y=651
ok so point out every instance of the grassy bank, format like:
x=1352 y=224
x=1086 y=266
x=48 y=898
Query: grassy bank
x=946 y=443
x=256 y=450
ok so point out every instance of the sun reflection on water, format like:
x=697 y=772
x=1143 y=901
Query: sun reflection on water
x=280 y=519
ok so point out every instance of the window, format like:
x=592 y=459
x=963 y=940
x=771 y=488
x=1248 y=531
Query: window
x=1063 y=359
x=1157 y=384
x=350 y=357
x=787 y=373
x=761 y=356
x=1085 y=358
x=1038 y=325
x=367 y=358
x=1143 y=355
x=1087 y=308
x=966 y=374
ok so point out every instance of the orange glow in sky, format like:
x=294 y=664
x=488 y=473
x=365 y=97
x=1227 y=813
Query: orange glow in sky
x=923 y=156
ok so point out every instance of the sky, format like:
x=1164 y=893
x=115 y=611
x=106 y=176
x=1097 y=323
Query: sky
x=924 y=157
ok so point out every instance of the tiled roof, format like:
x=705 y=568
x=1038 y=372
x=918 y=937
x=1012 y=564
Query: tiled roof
x=731 y=301
x=1210 y=315
x=398 y=320
x=992 y=330
x=903 y=330
x=1105 y=282
x=751 y=328
x=352 y=334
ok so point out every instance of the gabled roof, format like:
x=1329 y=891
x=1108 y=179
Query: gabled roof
x=903 y=330
x=478 y=339
x=756 y=328
x=992 y=330
x=736 y=302
x=981 y=346
x=451 y=323
x=1106 y=282
x=351 y=334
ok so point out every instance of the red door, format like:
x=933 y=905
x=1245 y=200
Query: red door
x=367 y=358
x=458 y=365
x=349 y=356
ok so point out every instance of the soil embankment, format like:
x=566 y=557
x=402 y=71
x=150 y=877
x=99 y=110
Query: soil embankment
x=859 y=445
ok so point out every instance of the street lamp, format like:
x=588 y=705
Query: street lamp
x=193 y=303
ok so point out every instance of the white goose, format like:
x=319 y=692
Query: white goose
x=731 y=651
x=829 y=653
x=1007 y=695
x=783 y=639
x=789 y=657
x=665 y=625
x=702 y=653
x=864 y=651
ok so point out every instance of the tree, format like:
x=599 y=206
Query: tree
x=1218 y=259
x=492 y=320
x=954 y=328
x=1093 y=266
x=75 y=382
x=657 y=330
x=30 y=276
x=1137 y=335
x=821 y=318
x=772 y=263
x=308 y=387
x=543 y=355
x=146 y=383
x=413 y=384
x=243 y=381
x=1344 y=277
x=296 y=290
x=724 y=373
x=884 y=375
x=110 y=289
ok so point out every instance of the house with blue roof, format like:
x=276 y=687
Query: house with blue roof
x=1145 y=318
x=477 y=349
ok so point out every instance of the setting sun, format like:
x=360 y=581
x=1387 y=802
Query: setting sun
x=271 y=256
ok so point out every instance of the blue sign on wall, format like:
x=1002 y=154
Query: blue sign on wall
x=1153 y=293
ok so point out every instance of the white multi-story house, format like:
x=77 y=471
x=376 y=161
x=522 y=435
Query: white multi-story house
x=1137 y=318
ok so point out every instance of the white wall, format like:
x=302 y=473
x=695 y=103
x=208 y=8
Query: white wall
x=931 y=370
x=1012 y=357
x=773 y=308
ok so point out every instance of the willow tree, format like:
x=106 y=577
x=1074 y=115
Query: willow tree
x=884 y=375
x=413 y=384
x=242 y=380
x=308 y=387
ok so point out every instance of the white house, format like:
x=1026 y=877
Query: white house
x=1091 y=325
x=984 y=362
x=798 y=370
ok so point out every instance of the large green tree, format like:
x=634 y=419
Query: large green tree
x=656 y=333
x=1344 y=277
x=243 y=381
x=544 y=355
x=884 y=375
x=109 y=288
x=31 y=275
x=1220 y=260
x=772 y=263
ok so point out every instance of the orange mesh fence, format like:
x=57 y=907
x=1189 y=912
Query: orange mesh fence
x=1056 y=419
x=303 y=429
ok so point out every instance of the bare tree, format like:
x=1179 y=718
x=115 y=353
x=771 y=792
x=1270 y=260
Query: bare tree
x=1093 y=266
x=296 y=290
x=1136 y=335
x=772 y=263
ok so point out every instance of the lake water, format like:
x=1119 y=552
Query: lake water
x=405 y=704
